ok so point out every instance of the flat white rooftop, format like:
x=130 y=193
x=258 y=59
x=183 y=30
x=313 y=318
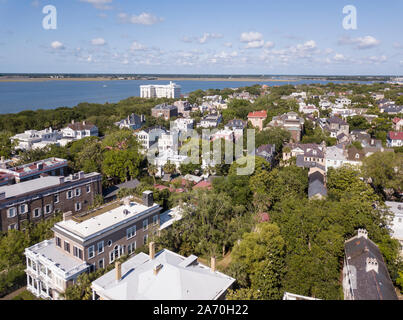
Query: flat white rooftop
x=105 y=221
x=48 y=253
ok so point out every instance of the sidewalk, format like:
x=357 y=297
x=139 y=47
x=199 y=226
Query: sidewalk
x=13 y=294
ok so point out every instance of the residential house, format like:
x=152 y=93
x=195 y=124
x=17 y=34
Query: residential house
x=87 y=243
x=395 y=139
x=267 y=152
x=336 y=126
x=164 y=111
x=38 y=199
x=210 y=121
x=133 y=122
x=33 y=139
x=237 y=126
x=365 y=274
x=317 y=184
x=149 y=136
x=182 y=125
x=397 y=124
x=172 y=90
x=162 y=276
x=80 y=130
x=307 y=155
x=257 y=118
x=184 y=108
x=33 y=170
x=290 y=122
x=396 y=226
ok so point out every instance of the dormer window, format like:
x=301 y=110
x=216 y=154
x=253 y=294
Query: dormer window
x=357 y=156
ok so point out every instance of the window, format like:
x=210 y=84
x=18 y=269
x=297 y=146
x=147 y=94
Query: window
x=145 y=239
x=145 y=224
x=115 y=253
x=12 y=212
x=13 y=226
x=37 y=212
x=48 y=208
x=88 y=188
x=56 y=198
x=58 y=242
x=155 y=220
x=77 y=252
x=23 y=208
x=91 y=252
x=109 y=243
x=100 y=247
x=78 y=192
x=78 y=206
x=69 y=194
x=131 y=248
x=66 y=246
x=101 y=263
x=131 y=232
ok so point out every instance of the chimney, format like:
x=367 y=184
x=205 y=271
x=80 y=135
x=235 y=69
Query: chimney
x=126 y=201
x=118 y=267
x=84 y=123
x=3 y=158
x=362 y=233
x=213 y=264
x=61 y=180
x=152 y=250
x=148 y=198
x=67 y=216
x=372 y=264
x=157 y=268
x=72 y=121
x=81 y=175
x=2 y=195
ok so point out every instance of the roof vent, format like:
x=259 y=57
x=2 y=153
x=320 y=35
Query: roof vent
x=126 y=212
x=157 y=268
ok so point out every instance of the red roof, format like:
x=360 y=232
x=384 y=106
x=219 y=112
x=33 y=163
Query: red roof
x=396 y=135
x=258 y=114
x=396 y=120
x=203 y=184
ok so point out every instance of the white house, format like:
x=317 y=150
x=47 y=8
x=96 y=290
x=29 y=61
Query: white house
x=78 y=130
x=395 y=139
x=396 y=225
x=149 y=136
x=31 y=139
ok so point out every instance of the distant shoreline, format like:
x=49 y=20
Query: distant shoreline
x=156 y=79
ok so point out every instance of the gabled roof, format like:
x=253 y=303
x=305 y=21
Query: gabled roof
x=179 y=278
x=258 y=114
x=78 y=126
x=370 y=285
x=395 y=135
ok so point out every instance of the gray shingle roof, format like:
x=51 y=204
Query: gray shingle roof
x=370 y=285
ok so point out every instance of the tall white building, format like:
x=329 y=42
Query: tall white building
x=171 y=90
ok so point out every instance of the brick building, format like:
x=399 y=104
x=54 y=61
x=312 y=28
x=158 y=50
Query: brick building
x=89 y=243
x=41 y=198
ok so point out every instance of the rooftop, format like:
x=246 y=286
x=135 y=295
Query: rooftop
x=179 y=278
x=105 y=221
x=18 y=189
x=37 y=166
x=48 y=251
x=370 y=285
x=258 y=114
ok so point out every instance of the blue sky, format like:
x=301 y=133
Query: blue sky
x=208 y=37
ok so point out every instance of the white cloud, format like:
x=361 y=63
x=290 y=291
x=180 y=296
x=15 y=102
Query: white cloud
x=144 y=19
x=228 y=44
x=99 y=4
x=339 y=57
x=255 y=44
x=98 y=42
x=206 y=36
x=57 y=45
x=366 y=42
x=137 y=46
x=251 y=36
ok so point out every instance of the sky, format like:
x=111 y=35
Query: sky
x=202 y=37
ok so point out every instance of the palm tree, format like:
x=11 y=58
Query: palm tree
x=169 y=168
x=152 y=171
